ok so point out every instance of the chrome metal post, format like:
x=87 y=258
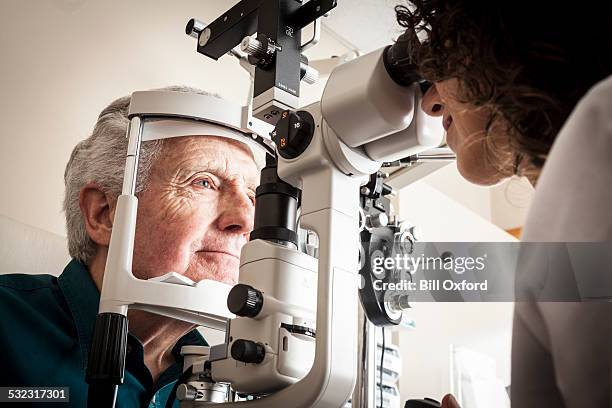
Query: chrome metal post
x=364 y=394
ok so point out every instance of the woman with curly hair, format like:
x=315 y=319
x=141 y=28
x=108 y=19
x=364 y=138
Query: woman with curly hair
x=525 y=88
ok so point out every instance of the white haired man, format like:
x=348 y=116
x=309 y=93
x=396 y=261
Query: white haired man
x=196 y=204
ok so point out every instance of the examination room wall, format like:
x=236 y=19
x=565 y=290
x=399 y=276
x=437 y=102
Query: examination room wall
x=484 y=328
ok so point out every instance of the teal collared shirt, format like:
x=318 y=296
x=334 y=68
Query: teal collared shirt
x=46 y=323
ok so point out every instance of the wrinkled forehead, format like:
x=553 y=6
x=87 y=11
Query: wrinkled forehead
x=189 y=155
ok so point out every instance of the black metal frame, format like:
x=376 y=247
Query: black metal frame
x=374 y=202
x=277 y=21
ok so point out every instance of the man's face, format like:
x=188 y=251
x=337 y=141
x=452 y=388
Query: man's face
x=196 y=212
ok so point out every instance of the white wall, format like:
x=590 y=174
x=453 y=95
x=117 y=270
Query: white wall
x=510 y=202
x=504 y=205
x=483 y=327
x=448 y=181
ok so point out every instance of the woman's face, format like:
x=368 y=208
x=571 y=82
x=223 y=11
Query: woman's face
x=466 y=133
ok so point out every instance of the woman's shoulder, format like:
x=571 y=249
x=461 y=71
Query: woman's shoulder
x=590 y=119
x=602 y=89
x=573 y=195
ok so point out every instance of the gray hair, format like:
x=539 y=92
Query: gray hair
x=100 y=159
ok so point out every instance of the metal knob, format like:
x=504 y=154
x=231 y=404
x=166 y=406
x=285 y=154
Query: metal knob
x=252 y=46
x=247 y=351
x=378 y=220
x=309 y=74
x=416 y=232
x=194 y=28
x=398 y=303
x=185 y=392
x=245 y=300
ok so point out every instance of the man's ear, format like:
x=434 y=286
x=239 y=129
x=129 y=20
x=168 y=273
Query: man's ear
x=98 y=209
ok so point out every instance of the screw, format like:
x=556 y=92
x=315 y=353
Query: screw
x=416 y=232
x=365 y=190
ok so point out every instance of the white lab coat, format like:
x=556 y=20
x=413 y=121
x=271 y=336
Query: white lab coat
x=562 y=352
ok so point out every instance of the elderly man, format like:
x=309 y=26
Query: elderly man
x=196 y=203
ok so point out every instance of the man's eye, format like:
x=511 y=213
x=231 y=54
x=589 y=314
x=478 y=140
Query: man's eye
x=206 y=183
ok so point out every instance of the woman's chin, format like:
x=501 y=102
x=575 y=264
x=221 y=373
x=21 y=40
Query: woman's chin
x=475 y=174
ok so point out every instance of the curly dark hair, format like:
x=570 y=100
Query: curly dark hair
x=529 y=61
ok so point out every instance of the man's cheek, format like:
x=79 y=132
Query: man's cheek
x=176 y=204
x=160 y=252
x=164 y=246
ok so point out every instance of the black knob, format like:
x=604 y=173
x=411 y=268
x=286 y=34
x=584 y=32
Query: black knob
x=244 y=300
x=424 y=403
x=248 y=351
x=293 y=133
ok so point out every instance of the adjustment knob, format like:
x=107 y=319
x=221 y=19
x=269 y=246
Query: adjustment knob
x=244 y=300
x=252 y=46
x=248 y=351
x=308 y=74
x=186 y=392
x=194 y=28
x=377 y=220
x=293 y=133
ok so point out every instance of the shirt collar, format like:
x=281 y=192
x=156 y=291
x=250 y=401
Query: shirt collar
x=83 y=299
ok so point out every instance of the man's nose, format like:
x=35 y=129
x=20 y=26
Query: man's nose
x=432 y=103
x=237 y=212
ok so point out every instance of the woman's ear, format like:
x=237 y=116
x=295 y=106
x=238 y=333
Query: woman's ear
x=98 y=209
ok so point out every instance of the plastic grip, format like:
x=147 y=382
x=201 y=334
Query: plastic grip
x=106 y=362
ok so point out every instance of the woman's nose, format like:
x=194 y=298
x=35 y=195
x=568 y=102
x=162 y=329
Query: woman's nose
x=432 y=103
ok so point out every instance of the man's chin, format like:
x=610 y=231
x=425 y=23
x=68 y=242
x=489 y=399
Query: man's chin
x=215 y=266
